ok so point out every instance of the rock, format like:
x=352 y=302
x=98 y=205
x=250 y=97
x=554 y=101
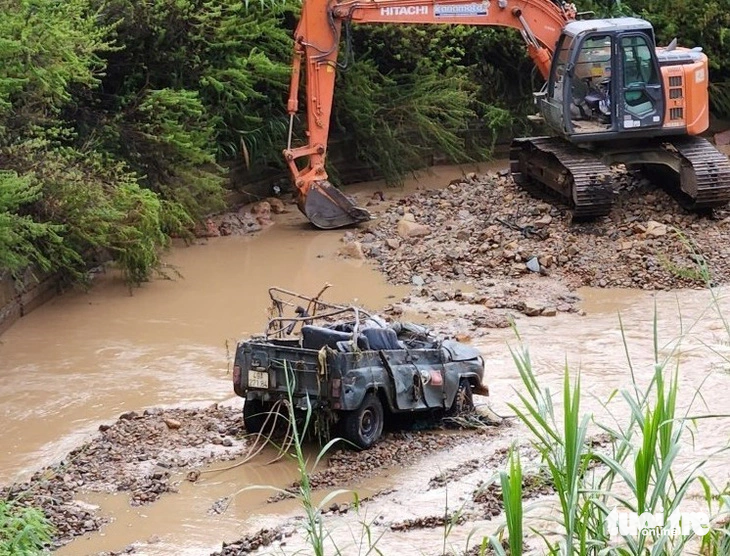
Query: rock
x=262 y=208
x=549 y=312
x=352 y=250
x=440 y=296
x=261 y=211
x=392 y=243
x=249 y=222
x=417 y=280
x=723 y=138
x=173 y=424
x=533 y=264
x=207 y=229
x=276 y=205
x=546 y=261
x=543 y=222
x=655 y=229
x=533 y=308
x=128 y=416
x=464 y=338
x=407 y=228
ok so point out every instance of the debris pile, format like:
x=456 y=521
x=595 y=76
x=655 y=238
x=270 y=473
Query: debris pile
x=483 y=228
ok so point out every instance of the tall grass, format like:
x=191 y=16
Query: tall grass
x=512 y=497
x=639 y=473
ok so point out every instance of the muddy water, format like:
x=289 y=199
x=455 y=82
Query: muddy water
x=185 y=523
x=617 y=335
x=85 y=358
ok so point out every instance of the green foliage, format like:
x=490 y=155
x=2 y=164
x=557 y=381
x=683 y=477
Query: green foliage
x=23 y=531
x=168 y=136
x=23 y=241
x=116 y=115
x=70 y=185
x=235 y=59
x=398 y=122
x=45 y=47
x=639 y=472
x=98 y=211
x=415 y=91
x=720 y=98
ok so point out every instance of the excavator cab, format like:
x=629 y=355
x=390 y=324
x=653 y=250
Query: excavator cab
x=604 y=81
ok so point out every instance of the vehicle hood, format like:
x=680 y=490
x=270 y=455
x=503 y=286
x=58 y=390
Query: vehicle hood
x=459 y=351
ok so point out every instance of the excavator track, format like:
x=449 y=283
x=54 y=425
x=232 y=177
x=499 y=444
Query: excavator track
x=578 y=176
x=704 y=178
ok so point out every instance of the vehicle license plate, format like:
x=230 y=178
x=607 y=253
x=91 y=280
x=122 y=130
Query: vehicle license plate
x=258 y=379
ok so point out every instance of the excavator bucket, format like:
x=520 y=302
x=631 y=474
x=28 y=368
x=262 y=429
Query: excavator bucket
x=327 y=207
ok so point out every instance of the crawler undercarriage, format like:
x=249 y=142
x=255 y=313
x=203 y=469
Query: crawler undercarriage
x=689 y=168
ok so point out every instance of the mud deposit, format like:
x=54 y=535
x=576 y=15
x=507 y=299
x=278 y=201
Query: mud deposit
x=397 y=449
x=139 y=454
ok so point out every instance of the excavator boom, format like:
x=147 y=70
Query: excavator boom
x=316 y=48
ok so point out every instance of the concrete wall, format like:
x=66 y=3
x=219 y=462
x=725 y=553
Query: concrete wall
x=18 y=298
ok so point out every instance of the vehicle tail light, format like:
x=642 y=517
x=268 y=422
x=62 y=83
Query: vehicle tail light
x=236 y=374
x=336 y=389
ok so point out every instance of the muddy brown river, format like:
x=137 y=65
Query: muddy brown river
x=84 y=358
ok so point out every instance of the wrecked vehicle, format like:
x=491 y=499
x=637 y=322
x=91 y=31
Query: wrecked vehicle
x=354 y=370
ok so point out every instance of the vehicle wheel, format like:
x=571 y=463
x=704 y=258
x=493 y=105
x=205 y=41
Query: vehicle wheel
x=364 y=426
x=464 y=400
x=254 y=415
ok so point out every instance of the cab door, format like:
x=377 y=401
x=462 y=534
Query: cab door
x=552 y=100
x=641 y=102
x=580 y=97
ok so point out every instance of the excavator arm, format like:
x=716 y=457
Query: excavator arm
x=316 y=47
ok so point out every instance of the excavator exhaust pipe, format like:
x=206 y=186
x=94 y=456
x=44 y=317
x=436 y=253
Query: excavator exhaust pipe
x=327 y=207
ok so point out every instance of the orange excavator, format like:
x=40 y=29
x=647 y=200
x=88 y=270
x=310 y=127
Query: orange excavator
x=611 y=96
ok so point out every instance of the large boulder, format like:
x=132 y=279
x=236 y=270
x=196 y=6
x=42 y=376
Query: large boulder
x=409 y=228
